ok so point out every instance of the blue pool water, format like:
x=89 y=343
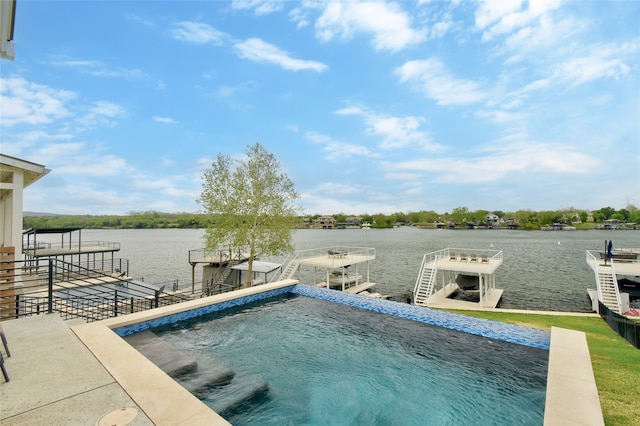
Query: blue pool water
x=330 y=363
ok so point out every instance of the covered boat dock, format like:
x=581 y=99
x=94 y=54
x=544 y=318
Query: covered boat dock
x=331 y=267
x=447 y=272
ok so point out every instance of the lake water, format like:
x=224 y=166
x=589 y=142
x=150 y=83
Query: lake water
x=542 y=270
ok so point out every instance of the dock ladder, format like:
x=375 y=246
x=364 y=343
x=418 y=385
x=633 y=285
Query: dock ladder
x=426 y=281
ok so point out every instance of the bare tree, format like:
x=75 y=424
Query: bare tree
x=251 y=204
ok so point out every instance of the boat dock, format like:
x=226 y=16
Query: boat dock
x=331 y=267
x=610 y=273
x=448 y=272
x=442 y=298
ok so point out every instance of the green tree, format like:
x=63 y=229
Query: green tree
x=584 y=216
x=460 y=214
x=252 y=204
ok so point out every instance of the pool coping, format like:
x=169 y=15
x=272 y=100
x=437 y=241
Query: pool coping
x=164 y=401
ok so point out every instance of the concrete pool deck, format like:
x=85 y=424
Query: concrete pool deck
x=71 y=373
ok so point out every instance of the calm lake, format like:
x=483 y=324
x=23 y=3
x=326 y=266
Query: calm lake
x=542 y=270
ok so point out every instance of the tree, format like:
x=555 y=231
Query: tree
x=251 y=203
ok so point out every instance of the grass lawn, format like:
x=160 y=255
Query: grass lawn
x=616 y=364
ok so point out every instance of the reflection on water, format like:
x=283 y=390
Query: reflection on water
x=543 y=270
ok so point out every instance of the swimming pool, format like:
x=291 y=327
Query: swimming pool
x=326 y=363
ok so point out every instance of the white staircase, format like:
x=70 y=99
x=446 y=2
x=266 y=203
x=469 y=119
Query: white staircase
x=425 y=282
x=290 y=268
x=608 y=288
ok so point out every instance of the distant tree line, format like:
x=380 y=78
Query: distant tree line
x=526 y=219
x=132 y=220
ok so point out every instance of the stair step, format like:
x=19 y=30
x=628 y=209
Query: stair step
x=240 y=394
x=166 y=357
x=206 y=378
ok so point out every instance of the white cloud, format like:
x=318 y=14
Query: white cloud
x=435 y=81
x=260 y=7
x=99 y=69
x=198 y=33
x=257 y=50
x=139 y=19
x=72 y=158
x=167 y=120
x=440 y=29
x=602 y=61
x=23 y=102
x=336 y=151
x=500 y=116
x=394 y=132
x=498 y=18
x=100 y=113
x=389 y=25
x=490 y=12
x=500 y=163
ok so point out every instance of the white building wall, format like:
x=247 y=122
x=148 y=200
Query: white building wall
x=16 y=175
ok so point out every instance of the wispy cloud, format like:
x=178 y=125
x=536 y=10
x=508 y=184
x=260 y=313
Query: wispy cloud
x=432 y=78
x=603 y=61
x=71 y=158
x=389 y=26
x=139 y=19
x=257 y=50
x=100 y=113
x=499 y=163
x=167 y=120
x=336 y=150
x=497 y=18
x=99 y=69
x=260 y=7
x=198 y=33
x=393 y=132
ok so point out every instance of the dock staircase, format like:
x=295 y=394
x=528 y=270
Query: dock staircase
x=425 y=282
x=291 y=266
x=608 y=292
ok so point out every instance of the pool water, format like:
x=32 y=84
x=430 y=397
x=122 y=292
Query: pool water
x=328 y=363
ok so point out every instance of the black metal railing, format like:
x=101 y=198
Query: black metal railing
x=76 y=291
x=213 y=287
x=626 y=328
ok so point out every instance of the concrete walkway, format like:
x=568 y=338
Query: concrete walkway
x=56 y=380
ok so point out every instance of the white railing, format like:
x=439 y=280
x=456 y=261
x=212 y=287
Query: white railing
x=592 y=261
x=615 y=287
x=343 y=250
x=492 y=255
x=426 y=259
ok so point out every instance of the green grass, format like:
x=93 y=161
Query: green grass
x=616 y=363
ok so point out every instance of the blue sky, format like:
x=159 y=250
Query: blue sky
x=376 y=107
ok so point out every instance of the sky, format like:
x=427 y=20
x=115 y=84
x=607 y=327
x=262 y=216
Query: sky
x=369 y=107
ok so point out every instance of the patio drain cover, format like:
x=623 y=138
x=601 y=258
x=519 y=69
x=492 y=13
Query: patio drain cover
x=120 y=417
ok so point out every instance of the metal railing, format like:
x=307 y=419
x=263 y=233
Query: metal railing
x=626 y=328
x=29 y=246
x=74 y=291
